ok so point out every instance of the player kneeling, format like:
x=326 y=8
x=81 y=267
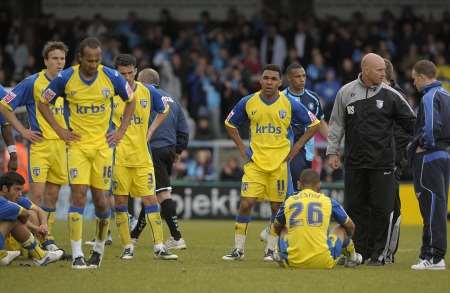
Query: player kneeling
x=14 y=219
x=302 y=223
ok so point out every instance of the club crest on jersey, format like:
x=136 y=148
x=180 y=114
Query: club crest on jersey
x=73 y=172
x=36 y=171
x=144 y=103
x=350 y=110
x=379 y=104
x=244 y=186
x=311 y=106
x=49 y=95
x=282 y=114
x=106 y=93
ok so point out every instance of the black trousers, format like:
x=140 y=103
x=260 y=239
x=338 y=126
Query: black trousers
x=369 y=201
x=431 y=172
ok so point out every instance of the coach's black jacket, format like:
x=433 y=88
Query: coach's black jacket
x=366 y=116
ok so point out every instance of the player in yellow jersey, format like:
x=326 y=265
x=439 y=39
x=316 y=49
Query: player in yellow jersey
x=48 y=159
x=306 y=218
x=8 y=137
x=13 y=219
x=270 y=114
x=133 y=166
x=88 y=89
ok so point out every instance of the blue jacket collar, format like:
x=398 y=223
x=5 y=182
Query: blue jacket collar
x=428 y=87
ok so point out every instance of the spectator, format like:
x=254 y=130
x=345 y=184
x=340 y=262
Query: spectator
x=201 y=169
x=273 y=47
x=232 y=170
x=328 y=88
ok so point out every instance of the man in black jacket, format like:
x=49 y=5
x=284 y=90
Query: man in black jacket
x=365 y=111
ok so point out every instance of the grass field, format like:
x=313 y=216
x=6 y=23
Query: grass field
x=200 y=269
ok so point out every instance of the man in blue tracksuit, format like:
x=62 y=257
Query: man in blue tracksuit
x=296 y=76
x=431 y=164
x=166 y=144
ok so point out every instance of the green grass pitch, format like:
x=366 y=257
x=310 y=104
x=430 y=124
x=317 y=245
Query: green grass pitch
x=200 y=268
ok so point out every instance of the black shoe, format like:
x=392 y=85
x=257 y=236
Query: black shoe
x=95 y=260
x=375 y=263
x=79 y=263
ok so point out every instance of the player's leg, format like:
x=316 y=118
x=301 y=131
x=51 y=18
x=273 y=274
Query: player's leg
x=6 y=257
x=279 y=186
x=29 y=242
x=56 y=177
x=163 y=159
x=51 y=195
x=139 y=227
x=100 y=183
x=253 y=186
x=153 y=217
x=340 y=243
x=123 y=228
x=169 y=213
x=121 y=184
x=144 y=184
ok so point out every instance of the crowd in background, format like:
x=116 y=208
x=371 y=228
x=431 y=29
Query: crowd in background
x=209 y=65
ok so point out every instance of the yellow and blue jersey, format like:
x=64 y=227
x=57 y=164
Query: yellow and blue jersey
x=132 y=150
x=271 y=122
x=3 y=93
x=9 y=211
x=25 y=202
x=27 y=93
x=307 y=216
x=88 y=103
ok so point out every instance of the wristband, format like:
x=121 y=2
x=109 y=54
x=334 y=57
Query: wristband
x=12 y=148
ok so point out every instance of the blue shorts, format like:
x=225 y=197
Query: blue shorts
x=9 y=211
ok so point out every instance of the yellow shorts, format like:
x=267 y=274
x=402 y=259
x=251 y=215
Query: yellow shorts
x=90 y=167
x=271 y=186
x=133 y=181
x=48 y=162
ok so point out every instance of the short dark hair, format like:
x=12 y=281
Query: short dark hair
x=425 y=67
x=389 y=72
x=11 y=178
x=309 y=177
x=90 y=42
x=53 y=45
x=293 y=66
x=272 y=67
x=125 y=60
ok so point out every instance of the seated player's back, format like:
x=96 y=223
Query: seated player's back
x=308 y=216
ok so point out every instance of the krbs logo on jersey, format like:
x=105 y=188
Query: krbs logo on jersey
x=92 y=109
x=143 y=103
x=282 y=114
x=36 y=171
x=270 y=129
x=136 y=120
x=73 y=172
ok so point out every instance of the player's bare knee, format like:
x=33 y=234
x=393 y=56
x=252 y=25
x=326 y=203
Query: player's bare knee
x=149 y=200
x=121 y=200
x=246 y=205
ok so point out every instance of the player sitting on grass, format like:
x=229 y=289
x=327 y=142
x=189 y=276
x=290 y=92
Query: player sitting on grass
x=14 y=218
x=302 y=223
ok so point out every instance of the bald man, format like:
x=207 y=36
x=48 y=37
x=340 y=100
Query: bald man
x=166 y=144
x=365 y=111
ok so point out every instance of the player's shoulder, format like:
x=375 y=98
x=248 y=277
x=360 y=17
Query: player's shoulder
x=312 y=95
x=29 y=80
x=110 y=72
